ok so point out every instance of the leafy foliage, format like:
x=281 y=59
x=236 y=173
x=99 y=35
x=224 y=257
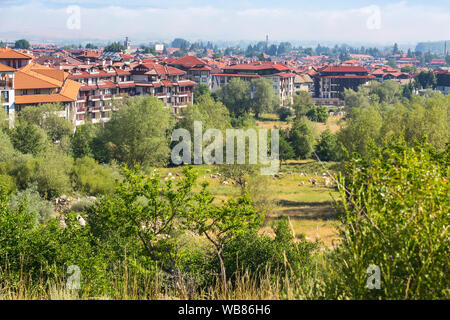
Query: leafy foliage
x=396 y=217
x=139 y=132
x=235 y=96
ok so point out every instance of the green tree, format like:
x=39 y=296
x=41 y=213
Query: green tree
x=221 y=224
x=318 y=114
x=6 y=147
x=387 y=92
x=114 y=47
x=82 y=141
x=139 y=133
x=180 y=43
x=201 y=90
x=302 y=103
x=91 y=46
x=328 y=149
x=284 y=113
x=47 y=117
x=409 y=69
x=29 y=138
x=392 y=63
x=395 y=216
x=212 y=114
x=236 y=96
x=22 y=44
x=263 y=96
x=395 y=50
x=92 y=178
x=50 y=171
x=363 y=127
x=427 y=79
x=286 y=150
x=356 y=99
x=302 y=138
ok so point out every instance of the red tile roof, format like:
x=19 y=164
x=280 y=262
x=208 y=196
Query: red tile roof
x=344 y=69
x=188 y=61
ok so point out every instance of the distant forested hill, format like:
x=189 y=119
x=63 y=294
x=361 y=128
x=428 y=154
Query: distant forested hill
x=433 y=47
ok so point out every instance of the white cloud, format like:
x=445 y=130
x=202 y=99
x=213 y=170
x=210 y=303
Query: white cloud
x=399 y=22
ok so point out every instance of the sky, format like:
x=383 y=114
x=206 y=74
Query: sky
x=376 y=21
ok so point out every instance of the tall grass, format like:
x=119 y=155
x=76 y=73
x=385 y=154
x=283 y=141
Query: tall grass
x=128 y=284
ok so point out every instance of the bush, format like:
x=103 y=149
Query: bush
x=82 y=141
x=50 y=172
x=29 y=138
x=7 y=183
x=284 y=113
x=6 y=147
x=318 y=114
x=259 y=253
x=82 y=205
x=396 y=218
x=92 y=178
x=302 y=138
x=328 y=148
x=34 y=204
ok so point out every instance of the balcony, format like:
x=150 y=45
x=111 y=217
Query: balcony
x=6 y=85
x=95 y=109
x=183 y=93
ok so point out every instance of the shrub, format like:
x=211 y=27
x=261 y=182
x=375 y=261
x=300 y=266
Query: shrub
x=7 y=183
x=302 y=138
x=259 y=253
x=29 y=138
x=92 y=178
x=6 y=147
x=318 y=114
x=284 y=113
x=50 y=172
x=35 y=205
x=328 y=148
x=396 y=218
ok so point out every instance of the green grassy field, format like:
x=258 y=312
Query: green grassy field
x=269 y=121
x=309 y=208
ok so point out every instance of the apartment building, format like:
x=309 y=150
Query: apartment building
x=167 y=83
x=331 y=81
x=280 y=76
x=100 y=86
x=196 y=69
x=7 y=91
x=31 y=84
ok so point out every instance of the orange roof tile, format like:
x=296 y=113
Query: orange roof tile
x=7 y=53
x=35 y=76
x=41 y=98
x=4 y=68
x=25 y=80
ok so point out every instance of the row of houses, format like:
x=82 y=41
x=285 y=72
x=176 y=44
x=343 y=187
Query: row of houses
x=87 y=82
x=24 y=82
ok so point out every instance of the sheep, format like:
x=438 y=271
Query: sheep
x=81 y=220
